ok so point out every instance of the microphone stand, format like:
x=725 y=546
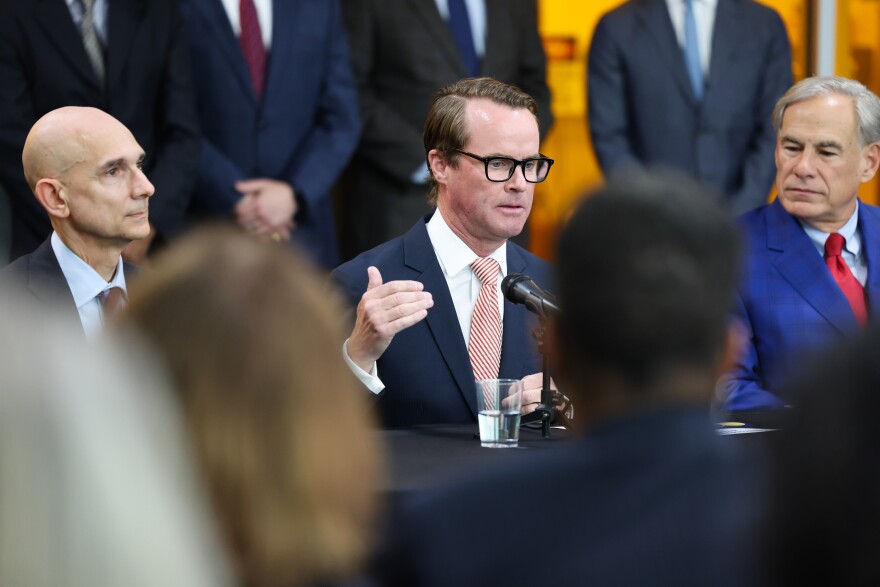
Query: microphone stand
x=544 y=412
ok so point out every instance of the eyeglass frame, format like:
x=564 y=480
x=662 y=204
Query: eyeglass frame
x=516 y=163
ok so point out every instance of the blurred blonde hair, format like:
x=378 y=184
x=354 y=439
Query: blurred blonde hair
x=253 y=341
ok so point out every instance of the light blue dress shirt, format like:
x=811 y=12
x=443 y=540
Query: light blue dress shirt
x=86 y=285
x=852 y=252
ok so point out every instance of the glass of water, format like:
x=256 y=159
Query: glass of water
x=498 y=408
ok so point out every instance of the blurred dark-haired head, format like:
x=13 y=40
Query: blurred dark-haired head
x=647 y=268
x=252 y=340
x=823 y=524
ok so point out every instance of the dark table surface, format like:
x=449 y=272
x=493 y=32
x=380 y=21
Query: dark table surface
x=423 y=456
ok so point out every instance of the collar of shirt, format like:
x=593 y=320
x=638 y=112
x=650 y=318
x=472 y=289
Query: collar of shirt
x=264 y=15
x=452 y=253
x=85 y=284
x=99 y=16
x=852 y=251
x=704 y=15
x=455 y=258
x=476 y=10
x=83 y=280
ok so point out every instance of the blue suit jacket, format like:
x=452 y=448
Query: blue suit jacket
x=426 y=370
x=304 y=130
x=790 y=303
x=642 y=110
x=654 y=498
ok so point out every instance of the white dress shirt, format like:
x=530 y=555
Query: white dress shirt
x=853 y=253
x=99 y=16
x=704 y=15
x=86 y=285
x=455 y=258
x=264 y=15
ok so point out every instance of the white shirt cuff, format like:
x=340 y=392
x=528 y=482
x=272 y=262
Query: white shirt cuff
x=370 y=380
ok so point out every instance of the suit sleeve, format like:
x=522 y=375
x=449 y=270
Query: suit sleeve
x=759 y=167
x=177 y=154
x=17 y=114
x=744 y=386
x=336 y=128
x=533 y=66
x=607 y=102
x=389 y=142
x=215 y=189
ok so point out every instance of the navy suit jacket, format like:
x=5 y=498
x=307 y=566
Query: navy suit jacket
x=37 y=276
x=303 y=131
x=426 y=370
x=790 y=304
x=43 y=66
x=653 y=498
x=642 y=110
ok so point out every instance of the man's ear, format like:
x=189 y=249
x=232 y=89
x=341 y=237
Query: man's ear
x=438 y=164
x=52 y=195
x=872 y=161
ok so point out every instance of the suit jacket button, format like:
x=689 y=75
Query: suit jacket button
x=262 y=124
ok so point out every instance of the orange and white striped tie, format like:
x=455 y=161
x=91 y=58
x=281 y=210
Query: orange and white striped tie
x=484 y=346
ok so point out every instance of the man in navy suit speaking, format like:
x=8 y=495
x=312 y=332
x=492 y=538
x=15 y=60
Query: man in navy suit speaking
x=430 y=315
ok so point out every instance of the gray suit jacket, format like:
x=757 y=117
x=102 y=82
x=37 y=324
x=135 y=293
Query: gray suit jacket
x=403 y=52
x=642 y=110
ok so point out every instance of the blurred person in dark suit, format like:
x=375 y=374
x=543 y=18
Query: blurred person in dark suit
x=85 y=169
x=97 y=486
x=279 y=113
x=823 y=515
x=690 y=84
x=126 y=57
x=280 y=430
x=403 y=51
x=648 y=494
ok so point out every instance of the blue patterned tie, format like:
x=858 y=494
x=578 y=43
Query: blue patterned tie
x=460 y=24
x=692 y=50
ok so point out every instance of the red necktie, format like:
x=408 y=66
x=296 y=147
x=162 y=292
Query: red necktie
x=484 y=346
x=252 y=44
x=850 y=286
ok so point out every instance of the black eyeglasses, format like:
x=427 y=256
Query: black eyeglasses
x=499 y=169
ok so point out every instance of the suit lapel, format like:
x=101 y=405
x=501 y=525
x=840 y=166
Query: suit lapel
x=426 y=11
x=61 y=31
x=729 y=30
x=227 y=43
x=47 y=282
x=658 y=26
x=869 y=225
x=287 y=16
x=800 y=264
x=123 y=18
x=442 y=320
x=497 y=27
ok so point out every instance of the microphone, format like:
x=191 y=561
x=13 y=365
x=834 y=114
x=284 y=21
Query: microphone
x=520 y=289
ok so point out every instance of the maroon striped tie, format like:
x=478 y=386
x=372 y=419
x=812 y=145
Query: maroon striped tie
x=484 y=346
x=251 y=40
